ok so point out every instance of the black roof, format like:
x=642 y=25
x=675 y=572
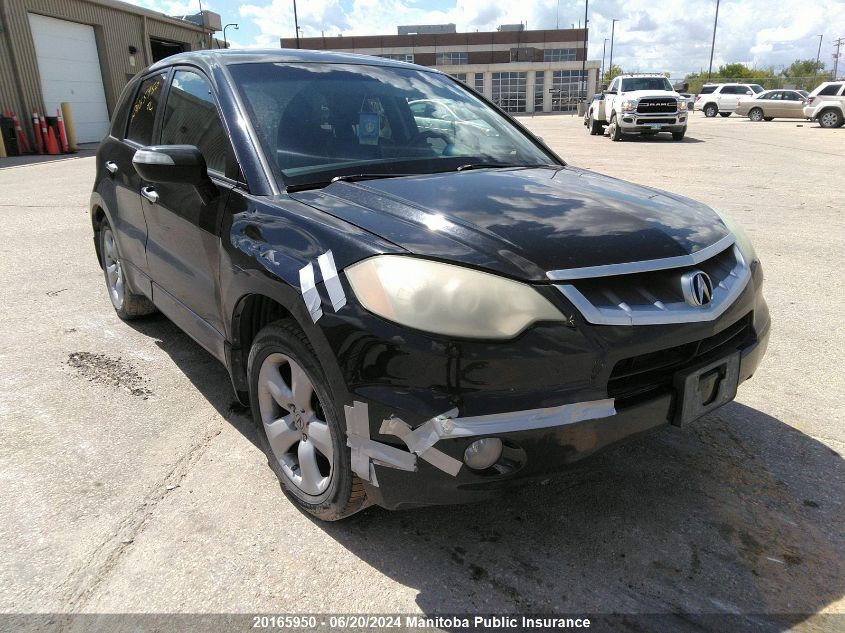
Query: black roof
x=213 y=57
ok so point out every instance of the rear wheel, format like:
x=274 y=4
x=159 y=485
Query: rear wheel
x=830 y=118
x=594 y=126
x=126 y=303
x=725 y=114
x=613 y=130
x=756 y=115
x=710 y=110
x=300 y=430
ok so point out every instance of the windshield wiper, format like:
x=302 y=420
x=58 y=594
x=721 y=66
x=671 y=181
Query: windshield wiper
x=345 y=178
x=469 y=166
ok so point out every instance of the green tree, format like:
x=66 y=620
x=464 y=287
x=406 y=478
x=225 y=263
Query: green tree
x=612 y=72
x=804 y=73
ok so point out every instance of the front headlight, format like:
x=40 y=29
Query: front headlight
x=629 y=106
x=742 y=239
x=447 y=299
x=682 y=106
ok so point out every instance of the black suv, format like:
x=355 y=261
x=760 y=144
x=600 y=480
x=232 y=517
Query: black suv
x=417 y=312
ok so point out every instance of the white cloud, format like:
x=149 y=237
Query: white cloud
x=659 y=35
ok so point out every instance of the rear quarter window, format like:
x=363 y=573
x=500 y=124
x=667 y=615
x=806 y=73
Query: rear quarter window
x=706 y=90
x=142 y=114
x=832 y=89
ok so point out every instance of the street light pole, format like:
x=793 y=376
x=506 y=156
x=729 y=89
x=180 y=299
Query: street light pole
x=225 y=41
x=612 y=34
x=296 y=23
x=603 y=51
x=713 y=43
x=584 y=61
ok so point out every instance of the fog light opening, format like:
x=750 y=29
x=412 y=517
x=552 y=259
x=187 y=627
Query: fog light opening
x=483 y=453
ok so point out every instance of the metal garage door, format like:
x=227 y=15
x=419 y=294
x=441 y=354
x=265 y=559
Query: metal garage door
x=70 y=71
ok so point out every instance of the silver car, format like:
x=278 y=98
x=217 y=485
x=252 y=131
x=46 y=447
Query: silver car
x=773 y=104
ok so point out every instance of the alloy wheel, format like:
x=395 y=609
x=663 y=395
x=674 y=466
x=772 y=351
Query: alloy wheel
x=756 y=115
x=295 y=424
x=828 y=119
x=114 y=271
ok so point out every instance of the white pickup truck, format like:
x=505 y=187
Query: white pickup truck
x=638 y=104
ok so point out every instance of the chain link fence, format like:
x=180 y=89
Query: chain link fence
x=769 y=83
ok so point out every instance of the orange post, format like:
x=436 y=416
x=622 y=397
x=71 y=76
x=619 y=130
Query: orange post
x=36 y=125
x=62 y=135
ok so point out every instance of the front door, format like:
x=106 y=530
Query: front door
x=183 y=244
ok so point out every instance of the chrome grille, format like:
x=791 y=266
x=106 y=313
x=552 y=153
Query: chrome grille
x=652 y=296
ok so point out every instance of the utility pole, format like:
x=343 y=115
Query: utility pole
x=612 y=33
x=296 y=23
x=713 y=43
x=603 y=51
x=584 y=61
x=816 y=67
x=839 y=44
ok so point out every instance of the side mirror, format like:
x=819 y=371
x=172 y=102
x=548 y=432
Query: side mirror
x=171 y=163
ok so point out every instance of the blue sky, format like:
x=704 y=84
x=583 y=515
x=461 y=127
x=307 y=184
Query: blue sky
x=651 y=35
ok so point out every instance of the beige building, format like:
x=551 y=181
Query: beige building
x=521 y=71
x=84 y=52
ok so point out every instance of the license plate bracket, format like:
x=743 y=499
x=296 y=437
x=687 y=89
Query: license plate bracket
x=706 y=387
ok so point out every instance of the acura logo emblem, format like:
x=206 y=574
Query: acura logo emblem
x=697 y=288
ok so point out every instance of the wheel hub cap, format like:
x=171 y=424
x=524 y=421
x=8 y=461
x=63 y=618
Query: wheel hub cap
x=295 y=424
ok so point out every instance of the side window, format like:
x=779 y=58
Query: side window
x=191 y=118
x=142 y=114
x=832 y=89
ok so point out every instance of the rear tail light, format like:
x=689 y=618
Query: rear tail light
x=697 y=97
x=810 y=100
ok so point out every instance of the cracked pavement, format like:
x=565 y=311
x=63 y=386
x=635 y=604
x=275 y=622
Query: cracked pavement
x=130 y=480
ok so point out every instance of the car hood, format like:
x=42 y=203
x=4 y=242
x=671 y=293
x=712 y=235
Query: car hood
x=523 y=222
x=639 y=94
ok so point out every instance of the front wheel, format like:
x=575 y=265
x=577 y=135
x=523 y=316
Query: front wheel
x=300 y=430
x=830 y=119
x=126 y=303
x=756 y=115
x=613 y=130
x=679 y=136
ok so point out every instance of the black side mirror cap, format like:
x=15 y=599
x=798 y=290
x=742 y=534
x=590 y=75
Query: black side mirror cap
x=171 y=163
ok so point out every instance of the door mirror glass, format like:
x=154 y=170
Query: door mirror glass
x=171 y=163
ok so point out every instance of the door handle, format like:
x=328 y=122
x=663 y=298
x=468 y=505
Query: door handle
x=111 y=167
x=150 y=194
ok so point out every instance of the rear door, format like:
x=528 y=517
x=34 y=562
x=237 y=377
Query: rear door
x=792 y=104
x=183 y=245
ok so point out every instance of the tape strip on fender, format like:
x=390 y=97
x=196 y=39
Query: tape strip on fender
x=418 y=444
x=331 y=280
x=309 y=291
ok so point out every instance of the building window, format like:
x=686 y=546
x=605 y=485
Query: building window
x=539 y=82
x=524 y=54
x=559 y=55
x=451 y=59
x=568 y=88
x=459 y=76
x=479 y=83
x=399 y=57
x=509 y=91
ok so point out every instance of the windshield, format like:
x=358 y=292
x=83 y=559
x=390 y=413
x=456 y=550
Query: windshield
x=646 y=83
x=317 y=121
x=755 y=88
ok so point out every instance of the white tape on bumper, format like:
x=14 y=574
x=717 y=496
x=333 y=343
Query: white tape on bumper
x=364 y=449
x=419 y=444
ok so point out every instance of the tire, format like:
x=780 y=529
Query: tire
x=756 y=115
x=126 y=303
x=710 y=110
x=679 y=136
x=613 y=130
x=308 y=449
x=725 y=114
x=594 y=127
x=830 y=118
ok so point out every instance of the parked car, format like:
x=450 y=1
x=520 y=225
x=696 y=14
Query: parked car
x=411 y=321
x=772 y=104
x=826 y=104
x=434 y=114
x=721 y=98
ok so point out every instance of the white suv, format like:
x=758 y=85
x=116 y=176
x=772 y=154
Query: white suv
x=721 y=98
x=827 y=104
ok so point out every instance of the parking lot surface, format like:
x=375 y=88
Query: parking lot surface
x=131 y=481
